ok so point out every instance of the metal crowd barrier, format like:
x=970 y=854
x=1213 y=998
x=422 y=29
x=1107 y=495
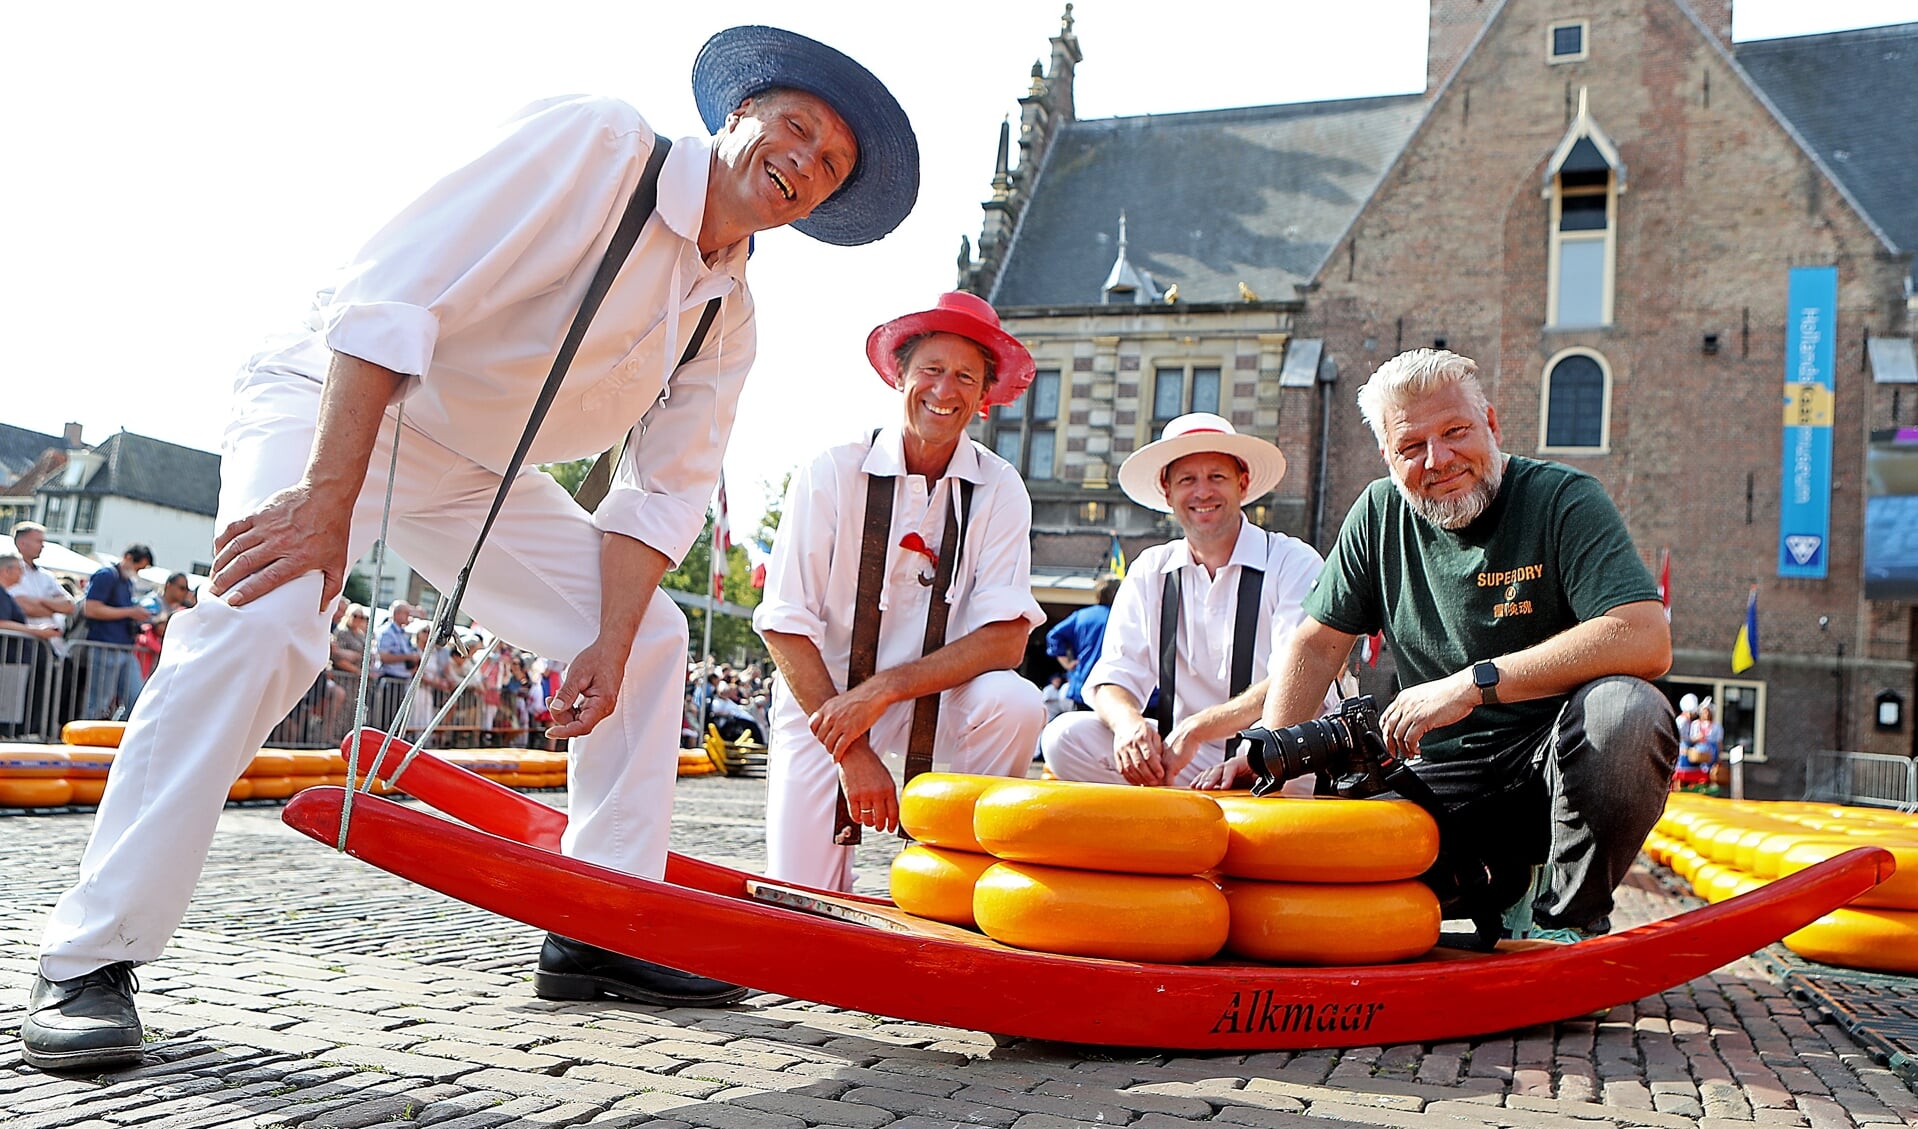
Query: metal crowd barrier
x=31 y=677
x=1883 y=780
x=324 y=715
x=102 y=681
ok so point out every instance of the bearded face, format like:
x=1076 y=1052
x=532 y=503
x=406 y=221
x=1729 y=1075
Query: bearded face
x=1442 y=448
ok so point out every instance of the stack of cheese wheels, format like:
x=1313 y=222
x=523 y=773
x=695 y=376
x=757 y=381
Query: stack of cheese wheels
x=1101 y=870
x=271 y=774
x=34 y=776
x=98 y=734
x=1724 y=848
x=935 y=876
x=87 y=772
x=1329 y=881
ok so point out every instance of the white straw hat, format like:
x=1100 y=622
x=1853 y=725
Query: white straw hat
x=1190 y=435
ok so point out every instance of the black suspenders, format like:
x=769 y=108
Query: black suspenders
x=1245 y=637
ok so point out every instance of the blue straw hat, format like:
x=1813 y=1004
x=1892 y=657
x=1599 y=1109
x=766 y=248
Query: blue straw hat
x=740 y=62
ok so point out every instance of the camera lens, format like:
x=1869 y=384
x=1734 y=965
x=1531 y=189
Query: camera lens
x=1297 y=750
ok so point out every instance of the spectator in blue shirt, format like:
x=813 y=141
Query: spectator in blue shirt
x=112 y=672
x=1077 y=639
x=399 y=655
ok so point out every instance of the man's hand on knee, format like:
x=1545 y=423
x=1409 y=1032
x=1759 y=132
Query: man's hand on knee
x=870 y=794
x=296 y=531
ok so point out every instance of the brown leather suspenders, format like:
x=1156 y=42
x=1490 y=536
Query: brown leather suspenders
x=875 y=542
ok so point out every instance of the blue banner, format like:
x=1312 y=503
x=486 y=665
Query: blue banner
x=1804 y=515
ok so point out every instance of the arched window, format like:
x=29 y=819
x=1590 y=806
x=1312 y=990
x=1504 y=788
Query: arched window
x=1577 y=395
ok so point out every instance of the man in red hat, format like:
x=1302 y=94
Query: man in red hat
x=398 y=410
x=899 y=598
x=1195 y=618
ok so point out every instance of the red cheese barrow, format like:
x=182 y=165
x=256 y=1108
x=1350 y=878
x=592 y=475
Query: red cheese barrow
x=869 y=956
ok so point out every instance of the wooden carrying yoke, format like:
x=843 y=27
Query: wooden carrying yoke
x=875 y=544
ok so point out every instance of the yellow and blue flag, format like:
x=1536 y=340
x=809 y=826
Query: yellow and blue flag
x=1745 y=647
x=1115 y=562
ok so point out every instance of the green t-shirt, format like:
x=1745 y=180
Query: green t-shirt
x=1550 y=552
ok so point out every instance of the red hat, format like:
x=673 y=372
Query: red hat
x=971 y=317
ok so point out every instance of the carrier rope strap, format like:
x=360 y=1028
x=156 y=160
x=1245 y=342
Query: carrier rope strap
x=639 y=208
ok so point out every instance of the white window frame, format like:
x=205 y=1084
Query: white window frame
x=1584 y=41
x=1557 y=239
x=1149 y=423
x=1545 y=403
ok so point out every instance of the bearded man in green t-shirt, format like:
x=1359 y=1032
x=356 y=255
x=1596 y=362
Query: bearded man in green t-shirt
x=1524 y=627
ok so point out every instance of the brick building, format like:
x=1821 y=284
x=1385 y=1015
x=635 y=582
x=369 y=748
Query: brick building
x=1602 y=203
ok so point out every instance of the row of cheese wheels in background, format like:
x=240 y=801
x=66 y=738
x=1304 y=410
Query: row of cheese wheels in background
x=75 y=773
x=1165 y=875
x=1726 y=847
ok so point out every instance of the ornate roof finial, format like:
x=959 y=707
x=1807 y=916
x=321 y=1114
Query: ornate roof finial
x=1065 y=22
x=1002 y=164
x=1125 y=281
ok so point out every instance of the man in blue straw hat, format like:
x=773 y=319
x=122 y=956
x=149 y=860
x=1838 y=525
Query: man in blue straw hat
x=457 y=308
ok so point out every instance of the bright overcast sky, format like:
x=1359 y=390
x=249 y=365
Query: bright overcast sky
x=184 y=176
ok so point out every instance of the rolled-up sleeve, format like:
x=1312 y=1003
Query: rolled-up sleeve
x=496 y=230
x=794 y=601
x=1002 y=566
x=670 y=466
x=1128 y=658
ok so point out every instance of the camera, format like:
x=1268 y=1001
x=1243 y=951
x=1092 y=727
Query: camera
x=1487 y=844
x=1346 y=747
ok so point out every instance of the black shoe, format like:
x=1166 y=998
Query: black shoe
x=569 y=970
x=82 y=1023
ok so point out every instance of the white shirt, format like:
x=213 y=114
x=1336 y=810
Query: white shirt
x=40 y=584
x=470 y=290
x=1203 y=674
x=813 y=579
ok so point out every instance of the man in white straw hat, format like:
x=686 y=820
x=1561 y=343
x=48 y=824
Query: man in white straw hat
x=1201 y=613
x=899 y=599
x=581 y=266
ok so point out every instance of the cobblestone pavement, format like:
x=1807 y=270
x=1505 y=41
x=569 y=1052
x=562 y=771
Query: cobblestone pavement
x=307 y=989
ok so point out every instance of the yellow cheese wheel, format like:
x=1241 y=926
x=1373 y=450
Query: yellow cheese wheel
x=1352 y=923
x=1283 y=839
x=242 y=789
x=302 y=783
x=1162 y=919
x=937 y=883
x=936 y=808
x=1900 y=891
x=270 y=787
x=87 y=790
x=1113 y=827
x=270 y=762
x=33 y=762
x=103 y=733
x=88 y=763
x=310 y=762
x=37 y=792
x=1728 y=882
x=1883 y=940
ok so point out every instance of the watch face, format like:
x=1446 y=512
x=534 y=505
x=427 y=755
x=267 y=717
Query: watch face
x=1484 y=674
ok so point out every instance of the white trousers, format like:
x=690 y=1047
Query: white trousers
x=987 y=727
x=229 y=674
x=1078 y=746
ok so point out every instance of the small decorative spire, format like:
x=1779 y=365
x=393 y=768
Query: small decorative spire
x=1126 y=282
x=1002 y=165
x=1065 y=22
x=1038 y=80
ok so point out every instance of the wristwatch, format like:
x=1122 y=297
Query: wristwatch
x=1485 y=677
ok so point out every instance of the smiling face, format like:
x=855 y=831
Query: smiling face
x=1205 y=491
x=944 y=382
x=1443 y=451
x=781 y=154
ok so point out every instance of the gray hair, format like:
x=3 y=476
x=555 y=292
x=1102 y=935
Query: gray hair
x=902 y=354
x=1410 y=375
x=8 y=560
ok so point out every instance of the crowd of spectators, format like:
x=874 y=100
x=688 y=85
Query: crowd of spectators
x=735 y=702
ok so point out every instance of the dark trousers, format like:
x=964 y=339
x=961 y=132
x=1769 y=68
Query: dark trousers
x=1607 y=764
